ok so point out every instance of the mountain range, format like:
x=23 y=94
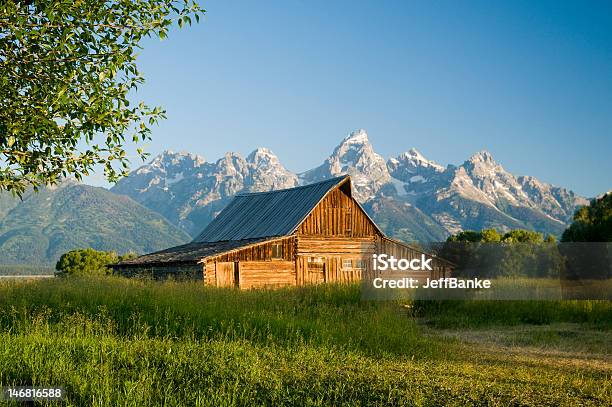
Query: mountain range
x=177 y=194
x=413 y=198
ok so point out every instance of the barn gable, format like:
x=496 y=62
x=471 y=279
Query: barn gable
x=338 y=214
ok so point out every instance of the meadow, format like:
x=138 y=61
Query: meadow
x=116 y=342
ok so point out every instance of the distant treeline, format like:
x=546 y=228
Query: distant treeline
x=583 y=253
x=25 y=270
x=521 y=253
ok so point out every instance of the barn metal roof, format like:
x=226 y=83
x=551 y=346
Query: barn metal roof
x=267 y=214
x=189 y=253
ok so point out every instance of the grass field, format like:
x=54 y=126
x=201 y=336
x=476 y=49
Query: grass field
x=117 y=342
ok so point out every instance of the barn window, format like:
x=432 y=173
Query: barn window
x=277 y=250
x=347 y=263
x=316 y=263
x=360 y=264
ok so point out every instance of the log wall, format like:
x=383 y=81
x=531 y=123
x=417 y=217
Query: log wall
x=332 y=271
x=257 y=267
x=210 y=274
x=402 y=251
x=311 y=245
x=258 y=274
x=331 y=253
x=251 y=274
x=260 y=252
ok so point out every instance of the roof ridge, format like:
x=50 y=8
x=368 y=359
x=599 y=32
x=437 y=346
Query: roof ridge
x=335 y=179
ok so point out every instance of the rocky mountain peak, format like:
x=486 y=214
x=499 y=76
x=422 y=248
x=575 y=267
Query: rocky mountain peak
x=267 y=172
x=413 y=173
x=262 y=156
x=530 y=182
x=172 y=157
x=482 y=157
x=232 y=164
x=359 y=136
x=413 y=152
x=412 y=160
x=354 y=149
x=354 y=156
x=482 y=165
x=170 y=162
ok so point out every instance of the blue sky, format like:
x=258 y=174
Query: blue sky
x=531 y=82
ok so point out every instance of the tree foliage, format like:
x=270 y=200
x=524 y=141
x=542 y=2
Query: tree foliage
x=488 y=253
x=89 y=261
x=67 y=69
x=592 y=223
x=493 y=236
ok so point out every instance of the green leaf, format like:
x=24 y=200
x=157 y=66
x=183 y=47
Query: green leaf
x=56 y=96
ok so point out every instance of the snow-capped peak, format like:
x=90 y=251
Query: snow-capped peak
x=482 y=165
x=414 y=157
x=482 y=156
x=359 y=136
x=412 y=167
x=265 y=161
x=264 y=156
x=231 y=164
x=354 y=156
x=262 y=151
x=354 y=150
x=171 y=162
x=413 y=152
x=267 y=172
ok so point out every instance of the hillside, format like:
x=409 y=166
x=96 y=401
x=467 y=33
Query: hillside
x=44 y=225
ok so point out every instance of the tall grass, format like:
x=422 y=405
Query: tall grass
x=325 y=315
x=118 y=342
x=480 y=313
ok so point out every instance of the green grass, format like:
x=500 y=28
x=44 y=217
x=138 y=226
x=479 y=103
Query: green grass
x=118 y=342
x=474 y=313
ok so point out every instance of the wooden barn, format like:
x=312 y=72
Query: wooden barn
x=305 y=235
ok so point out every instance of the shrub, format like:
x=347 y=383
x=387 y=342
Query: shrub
x=86 y=261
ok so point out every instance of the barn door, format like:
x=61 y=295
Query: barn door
x=236 y=274
x=324 y=273
x=225 y=274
